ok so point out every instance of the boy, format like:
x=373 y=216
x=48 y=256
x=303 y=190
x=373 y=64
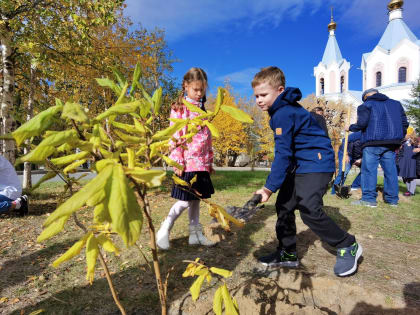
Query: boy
x=11 y=190
x=302 y=168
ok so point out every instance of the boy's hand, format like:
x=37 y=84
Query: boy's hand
x=265 y=193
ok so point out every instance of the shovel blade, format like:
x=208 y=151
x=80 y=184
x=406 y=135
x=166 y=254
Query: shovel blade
x=342 y=192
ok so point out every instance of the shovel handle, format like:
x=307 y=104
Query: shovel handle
x=346 y=142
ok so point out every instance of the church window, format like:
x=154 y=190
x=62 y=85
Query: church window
x=402 y=75
x=321 y=81
x=342 y=84
x=378 y=78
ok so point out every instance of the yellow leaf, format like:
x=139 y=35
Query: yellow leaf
x=237 y=114
x=92 y=251
x=152 y=178
x=227 y=300
x=193 y=180
x=212 y=128
x=193 y=107
x=107 y=244
x=69 y=158
x=196 y=287
x=72 y=251
x=101 y=213
x=3 y=300
x=171 y=162
x=53 y=229
x=131 y=158
x=74 y=111
x=222 y=272
x=179 y=181
x=217 y=301
x=73 y=166
x=37 y=312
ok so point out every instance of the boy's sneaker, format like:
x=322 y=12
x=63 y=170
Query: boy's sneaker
x=280 y=259
x=347 y=258
x=364 y=203
x=23 y=210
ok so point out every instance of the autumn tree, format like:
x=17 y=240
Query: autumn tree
x=232 y=139
x=413 y=106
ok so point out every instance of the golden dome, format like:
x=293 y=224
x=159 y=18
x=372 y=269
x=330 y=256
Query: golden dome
x=395 y=4
x=332 y=25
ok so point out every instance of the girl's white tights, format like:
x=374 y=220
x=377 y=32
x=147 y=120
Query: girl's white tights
x=193 y=211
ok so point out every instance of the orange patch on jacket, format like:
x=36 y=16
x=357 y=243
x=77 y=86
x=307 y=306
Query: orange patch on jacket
x=319 y=156
x=279 y=131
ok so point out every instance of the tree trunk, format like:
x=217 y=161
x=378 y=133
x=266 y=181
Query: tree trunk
x=8 y=146
x=27 y=176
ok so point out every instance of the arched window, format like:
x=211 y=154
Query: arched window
x=402 y=75
x=321 y=81
x=342 y=84
x=378 y=78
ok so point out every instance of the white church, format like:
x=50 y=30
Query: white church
x=392 y=67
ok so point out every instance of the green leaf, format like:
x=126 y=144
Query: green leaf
x=172 y=162
x=124 y=210
x=196 y=287
x=44 y=178
x=222 y=272
x=72 y=251
x=53 y=229
x=193 y=107
x=36 y=125
x=136 y=78
x=74 y=111
x=227 y=300
x=212 y=128
x=73 y=166
x=92 y=252
x=145 y=107
x=129 y=138
x=38 y=155
x=157 y=100
x=168 y=132
x=237 y=114
x=107 y=244
x=152 y=178
x=101 y=213
x=139 y=127
x=219 y=100
x=60 y=137
x=110 y=84
x=69 y=158
x=158 y=146
x=122 y=98
x=119 y=110
x=120 y=77
x=217 y=301
x=76 y=201
x=125 y=127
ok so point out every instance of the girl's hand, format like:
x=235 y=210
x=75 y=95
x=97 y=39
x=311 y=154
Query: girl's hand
x=416 y=150
x=178 y=172
x=212 y=170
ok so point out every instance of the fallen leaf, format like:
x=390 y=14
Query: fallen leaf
x=15 y=300
x=3 y=300
x=387 y=277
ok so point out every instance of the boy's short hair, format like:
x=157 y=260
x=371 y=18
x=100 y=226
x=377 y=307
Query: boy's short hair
x=272 y=75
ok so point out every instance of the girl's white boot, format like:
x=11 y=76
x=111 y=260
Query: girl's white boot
x=197 y=237
x=162 y=236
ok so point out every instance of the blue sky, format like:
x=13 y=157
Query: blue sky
x=234 y=39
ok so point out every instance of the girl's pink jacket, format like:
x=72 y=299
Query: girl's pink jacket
x=198 y=154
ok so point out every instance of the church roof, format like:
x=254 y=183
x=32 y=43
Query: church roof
x=332 y=51
x=395 y=32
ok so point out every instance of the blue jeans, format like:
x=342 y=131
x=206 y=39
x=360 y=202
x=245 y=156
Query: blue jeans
x=372 y=157
x=5 y=203
x=356 y=182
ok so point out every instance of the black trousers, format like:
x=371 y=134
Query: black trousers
x=304 y=192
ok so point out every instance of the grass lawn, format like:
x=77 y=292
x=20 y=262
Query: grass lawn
x=28 y=282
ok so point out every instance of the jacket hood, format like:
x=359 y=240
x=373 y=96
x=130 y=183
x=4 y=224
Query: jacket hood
x=289 y=97
x=377 y=97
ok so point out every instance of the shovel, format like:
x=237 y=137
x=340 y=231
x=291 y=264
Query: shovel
x=249 y=209
x=341 y=191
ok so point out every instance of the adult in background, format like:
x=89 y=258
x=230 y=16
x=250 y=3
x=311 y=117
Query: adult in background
x=383 y=124
x=11 y=190
x=318 y=114
x=407 y=161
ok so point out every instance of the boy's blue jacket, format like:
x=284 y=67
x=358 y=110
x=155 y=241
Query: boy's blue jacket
x=299 y=140
x=381 y=120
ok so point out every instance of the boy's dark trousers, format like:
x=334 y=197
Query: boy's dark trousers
x=305 y=192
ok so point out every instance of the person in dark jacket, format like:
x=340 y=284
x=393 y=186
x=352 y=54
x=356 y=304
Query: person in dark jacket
x=354 y=155
x=383 y=124
x=318 y=114
x=407 y=162
x=302 y=168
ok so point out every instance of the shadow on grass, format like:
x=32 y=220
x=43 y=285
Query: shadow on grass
x=18 y=270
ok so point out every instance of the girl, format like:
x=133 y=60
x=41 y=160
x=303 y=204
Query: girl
x=407 y=162
x=197 y=159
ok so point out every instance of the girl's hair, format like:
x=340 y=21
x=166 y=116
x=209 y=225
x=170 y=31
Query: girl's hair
x=194 y=74
x=413 y=137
